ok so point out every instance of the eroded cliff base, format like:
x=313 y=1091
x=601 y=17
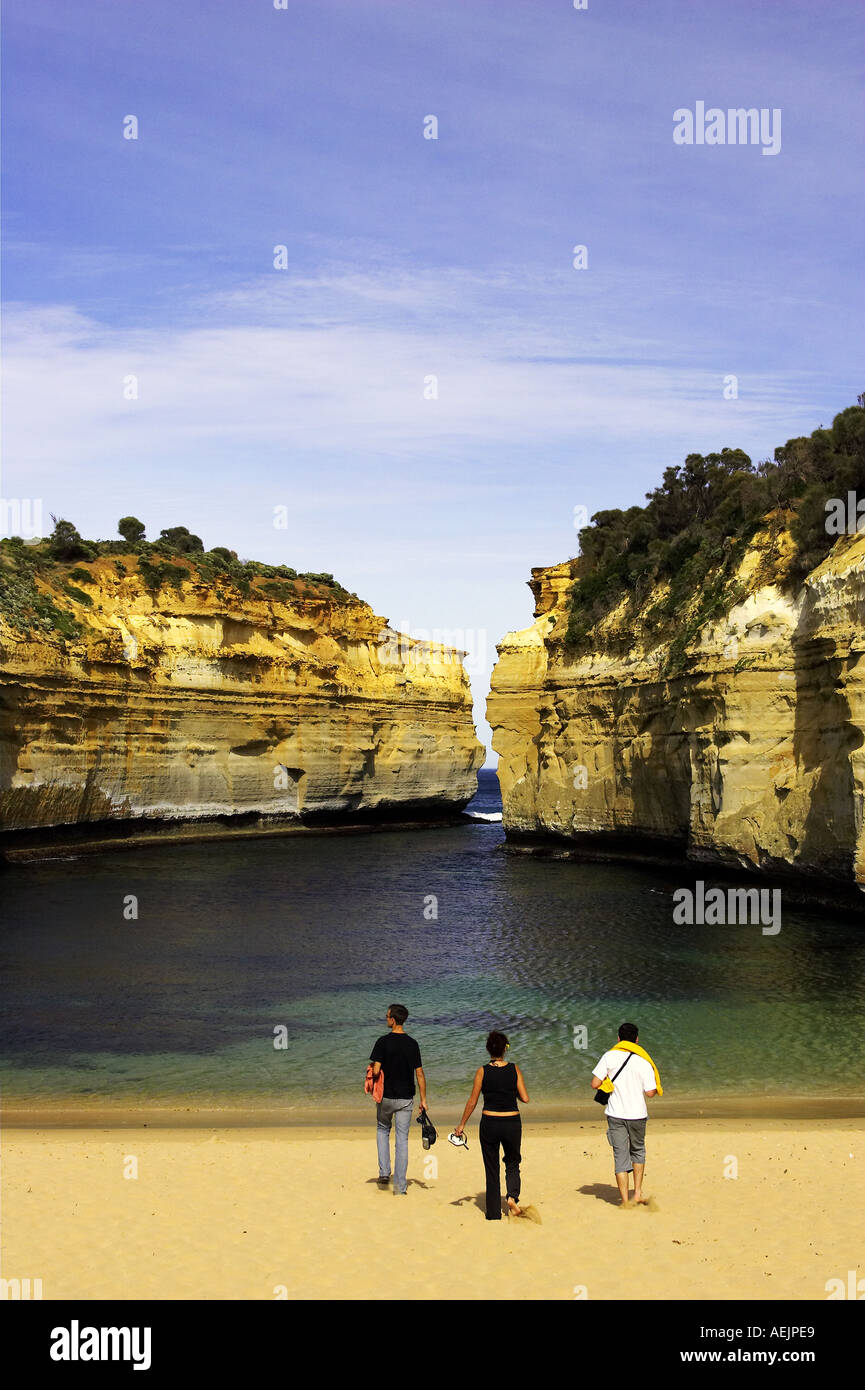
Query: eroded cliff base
x=96 y=837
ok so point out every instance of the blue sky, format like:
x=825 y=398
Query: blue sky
x=304 y=387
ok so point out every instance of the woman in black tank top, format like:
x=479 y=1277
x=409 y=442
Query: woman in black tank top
x=502 y=1085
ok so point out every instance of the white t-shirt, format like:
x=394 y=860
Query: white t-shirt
x=627 y=1101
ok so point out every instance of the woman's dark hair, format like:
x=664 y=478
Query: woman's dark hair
x=496 y=1044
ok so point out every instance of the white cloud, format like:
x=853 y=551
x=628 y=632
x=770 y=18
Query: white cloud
x=334 y=368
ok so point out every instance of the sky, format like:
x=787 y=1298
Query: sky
x=420 y=384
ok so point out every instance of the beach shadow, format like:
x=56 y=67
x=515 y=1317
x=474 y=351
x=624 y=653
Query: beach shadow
x=603 y=1191
x=409 y=1182
x=480 y=1201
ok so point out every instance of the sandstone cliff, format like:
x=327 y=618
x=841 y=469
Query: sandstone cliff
x=192 y=702
x=750 y=756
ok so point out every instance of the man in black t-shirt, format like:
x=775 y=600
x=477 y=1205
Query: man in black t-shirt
x=398 y=1056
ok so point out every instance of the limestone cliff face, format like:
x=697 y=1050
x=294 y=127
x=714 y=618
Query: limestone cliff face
x=753 y=757
x=192 y=703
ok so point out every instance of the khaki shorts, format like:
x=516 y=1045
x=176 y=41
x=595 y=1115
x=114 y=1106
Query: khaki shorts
x=627 y=1139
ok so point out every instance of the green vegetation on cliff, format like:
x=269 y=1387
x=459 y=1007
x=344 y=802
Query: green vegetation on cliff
x=39 y=580
x=695 y=529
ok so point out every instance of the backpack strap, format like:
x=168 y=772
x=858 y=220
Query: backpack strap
x=613 y=1079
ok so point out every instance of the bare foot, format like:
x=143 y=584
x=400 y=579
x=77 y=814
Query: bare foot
x=513 y=1208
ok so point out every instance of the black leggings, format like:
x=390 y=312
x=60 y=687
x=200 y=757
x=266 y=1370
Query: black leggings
x=505 y=1130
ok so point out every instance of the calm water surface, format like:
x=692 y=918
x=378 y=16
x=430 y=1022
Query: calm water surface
x=316 y=935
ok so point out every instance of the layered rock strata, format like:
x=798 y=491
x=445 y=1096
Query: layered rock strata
x=191 y=704
x=752 y=757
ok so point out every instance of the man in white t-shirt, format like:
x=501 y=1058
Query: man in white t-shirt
x=626 y=1110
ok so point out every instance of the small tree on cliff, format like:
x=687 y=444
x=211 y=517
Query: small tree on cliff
x=131 y=529
x=180 y=540
x=65 y=543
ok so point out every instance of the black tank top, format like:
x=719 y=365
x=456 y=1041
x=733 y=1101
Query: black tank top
x=499 y=1087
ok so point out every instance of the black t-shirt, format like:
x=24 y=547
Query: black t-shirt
x=399 y=1056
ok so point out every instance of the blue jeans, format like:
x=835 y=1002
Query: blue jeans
x=385 y=1112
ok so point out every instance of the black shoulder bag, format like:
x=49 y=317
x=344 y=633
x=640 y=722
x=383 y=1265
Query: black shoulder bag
x=603 y=1096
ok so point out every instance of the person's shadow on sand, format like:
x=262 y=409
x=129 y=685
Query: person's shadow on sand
x=603 y=1191
x=480 y=1201
x=410 y=1182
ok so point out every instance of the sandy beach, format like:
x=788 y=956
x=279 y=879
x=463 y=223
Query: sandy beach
x=270 y=1212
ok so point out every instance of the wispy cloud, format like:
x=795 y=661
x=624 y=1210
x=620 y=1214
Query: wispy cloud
x=336 y=367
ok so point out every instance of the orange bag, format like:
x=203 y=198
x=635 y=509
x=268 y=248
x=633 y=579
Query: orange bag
x=374 y=1088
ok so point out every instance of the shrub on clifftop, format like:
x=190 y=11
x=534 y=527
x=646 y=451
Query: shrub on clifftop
x=218 y=569
x=178 y=540
x=131 y=529
x=64 y=543
x=698 y=523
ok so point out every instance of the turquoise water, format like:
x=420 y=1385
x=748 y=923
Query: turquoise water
x=317 y=935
